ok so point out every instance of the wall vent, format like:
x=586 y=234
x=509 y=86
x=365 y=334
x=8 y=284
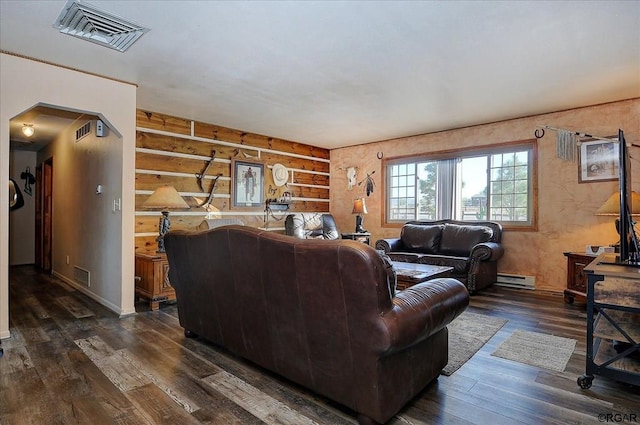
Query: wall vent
x=516 y=281
x=83 y=131
x=92 y=24
x=81 y=276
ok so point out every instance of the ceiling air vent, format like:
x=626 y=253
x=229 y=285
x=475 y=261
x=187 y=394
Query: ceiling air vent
x=84 y=21
x=83 y=131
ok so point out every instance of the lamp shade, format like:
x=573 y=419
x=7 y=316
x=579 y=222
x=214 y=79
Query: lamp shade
x=612 y=205
x=165 y=198
x=359 y=206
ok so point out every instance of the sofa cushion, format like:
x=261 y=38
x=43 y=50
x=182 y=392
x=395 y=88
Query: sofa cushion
x=459 y=240
x=422 y=238
x=460 y=264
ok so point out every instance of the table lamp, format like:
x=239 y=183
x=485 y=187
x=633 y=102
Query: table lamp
x=611 y=207
x=359 y=208
x=164 y=198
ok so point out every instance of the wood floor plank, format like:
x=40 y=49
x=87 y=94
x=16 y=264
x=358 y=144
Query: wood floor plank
x=37 y=308
x=73 y=306
x=26 y=385
x=157 y=407
x=451 y=409
x=14 y=360
x=113 y=401
x=523 y=405
x=269 y=410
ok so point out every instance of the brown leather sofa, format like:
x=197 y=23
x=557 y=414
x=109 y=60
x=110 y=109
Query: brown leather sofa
x=323 y=314
x=472 y=248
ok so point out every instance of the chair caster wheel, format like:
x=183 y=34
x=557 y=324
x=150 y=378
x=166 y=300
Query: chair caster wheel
x=585 y=381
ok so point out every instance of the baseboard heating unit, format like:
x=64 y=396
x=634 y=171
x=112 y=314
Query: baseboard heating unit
x=516 y=281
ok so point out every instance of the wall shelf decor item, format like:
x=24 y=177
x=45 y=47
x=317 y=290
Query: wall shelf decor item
x=200 y=176
x=352 y=174
x=368 y=183
x=29 y=179
x=597 y=161
x=247 y=184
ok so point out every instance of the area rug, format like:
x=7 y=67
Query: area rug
x=467 y=334
x=537 y=349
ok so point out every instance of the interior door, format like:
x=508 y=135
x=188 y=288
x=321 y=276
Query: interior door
x=44 y=215
x=38 y=224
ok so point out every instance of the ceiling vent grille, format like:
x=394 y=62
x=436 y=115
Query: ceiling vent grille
x=89 y=23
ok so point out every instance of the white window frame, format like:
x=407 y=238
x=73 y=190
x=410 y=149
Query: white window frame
x=445 y=203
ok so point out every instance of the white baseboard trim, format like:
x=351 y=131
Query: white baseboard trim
x=93 y=295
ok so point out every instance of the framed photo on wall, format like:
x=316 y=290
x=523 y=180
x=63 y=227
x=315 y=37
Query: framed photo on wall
x=597 y=161
x=247 y=184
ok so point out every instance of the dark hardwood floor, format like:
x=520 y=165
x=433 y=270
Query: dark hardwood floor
x=70 y=360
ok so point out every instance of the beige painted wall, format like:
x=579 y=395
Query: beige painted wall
x=25 y=83
x=85 y=227
x=21 y=221
x=566 y=220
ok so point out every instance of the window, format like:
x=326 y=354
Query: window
x=495 y=183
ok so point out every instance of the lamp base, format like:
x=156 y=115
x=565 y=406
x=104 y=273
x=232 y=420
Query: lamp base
x=164 y=225
x=359 y=221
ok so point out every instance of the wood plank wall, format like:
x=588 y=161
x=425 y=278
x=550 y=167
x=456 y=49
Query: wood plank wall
x=171 y=150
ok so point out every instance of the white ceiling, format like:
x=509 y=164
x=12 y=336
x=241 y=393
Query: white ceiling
x=333 y=73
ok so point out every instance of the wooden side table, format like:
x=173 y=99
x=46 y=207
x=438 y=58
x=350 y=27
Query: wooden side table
x=360 y=237
x=576 y=279
x=152 y=278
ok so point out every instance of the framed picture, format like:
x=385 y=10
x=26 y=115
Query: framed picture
x=597 y=161
x=247 y=184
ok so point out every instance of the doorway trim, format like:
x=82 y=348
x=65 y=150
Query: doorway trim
x=78 y=91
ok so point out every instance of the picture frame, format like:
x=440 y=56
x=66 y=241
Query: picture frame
x=597 y=161
x=247 y=184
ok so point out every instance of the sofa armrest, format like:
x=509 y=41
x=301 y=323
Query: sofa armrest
x=486 y=251
x=424 y=309
x=389 y=245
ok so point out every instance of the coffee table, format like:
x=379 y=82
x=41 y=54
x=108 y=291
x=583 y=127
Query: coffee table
x=411 y=273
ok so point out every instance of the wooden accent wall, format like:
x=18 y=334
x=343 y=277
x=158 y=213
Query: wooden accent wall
x=171 y=150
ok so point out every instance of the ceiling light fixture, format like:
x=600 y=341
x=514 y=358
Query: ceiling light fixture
x=27 y=130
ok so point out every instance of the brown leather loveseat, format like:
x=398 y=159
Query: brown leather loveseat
x=323 y=314
x=472 y=248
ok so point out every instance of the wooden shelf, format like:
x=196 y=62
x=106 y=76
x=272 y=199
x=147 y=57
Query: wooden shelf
x=625 y=364
x=628 y=321
x=613 y=301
